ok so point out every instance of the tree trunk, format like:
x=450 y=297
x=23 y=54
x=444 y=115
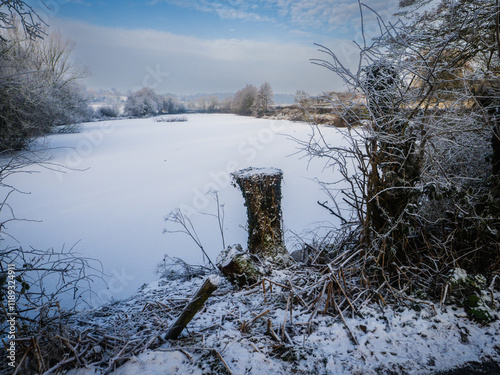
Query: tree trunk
x=394 y=162
x=261 y=188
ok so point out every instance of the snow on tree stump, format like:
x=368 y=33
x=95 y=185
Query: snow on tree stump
x=261 y=188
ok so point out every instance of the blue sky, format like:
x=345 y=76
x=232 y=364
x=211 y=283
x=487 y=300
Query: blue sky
x=200 y=46
x=209 y=19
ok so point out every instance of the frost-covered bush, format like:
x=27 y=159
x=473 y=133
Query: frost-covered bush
x=142 y=103
x=423 y=170
x=38 y=88
x=108 y=111
x=472 y=293
x=146 y=102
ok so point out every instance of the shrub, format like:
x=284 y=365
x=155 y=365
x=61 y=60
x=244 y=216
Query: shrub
x=38 y=88
x=108 y=111
x=146 y=102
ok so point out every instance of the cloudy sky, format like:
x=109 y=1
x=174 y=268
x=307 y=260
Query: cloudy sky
x=201 y=46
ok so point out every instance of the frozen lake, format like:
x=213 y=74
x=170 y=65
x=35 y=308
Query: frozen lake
x=125 y=176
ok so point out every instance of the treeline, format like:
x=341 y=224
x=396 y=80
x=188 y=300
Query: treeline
x=39 y=88
x=249 y=101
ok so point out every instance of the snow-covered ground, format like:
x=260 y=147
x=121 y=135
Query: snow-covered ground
x=388 y=340
x=125 y=176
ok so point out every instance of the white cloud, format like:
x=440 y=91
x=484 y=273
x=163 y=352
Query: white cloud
x=343 y=15
x=128 y=59
x=230 y=13
x=225 y=9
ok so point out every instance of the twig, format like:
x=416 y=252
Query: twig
x=245 y=325
x=59 y=365
x=345 y=323
x=190 y=357
x=116 y=358
x=288 y=338
x=271 y=332
x=224 y=362
x=275 y=283
x=178 y=217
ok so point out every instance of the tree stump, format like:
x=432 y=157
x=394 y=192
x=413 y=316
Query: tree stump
x=261 y=188
x=239 y=266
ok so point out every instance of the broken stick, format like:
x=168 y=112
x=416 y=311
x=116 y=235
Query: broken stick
x=208 y=287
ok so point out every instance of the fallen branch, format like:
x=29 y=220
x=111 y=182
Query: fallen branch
x=209 y=286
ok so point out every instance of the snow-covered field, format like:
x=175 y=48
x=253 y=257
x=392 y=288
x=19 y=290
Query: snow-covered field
x=125 y=176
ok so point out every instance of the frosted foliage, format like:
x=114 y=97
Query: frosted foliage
x=458 y=154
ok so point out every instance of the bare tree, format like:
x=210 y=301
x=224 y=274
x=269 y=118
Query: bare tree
x=302 y=98
x=244 y=100
x=37 y=92
x=263 y=100
x=12 y=10
x=212 y=104
x=39 y=87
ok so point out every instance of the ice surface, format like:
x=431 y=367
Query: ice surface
x=127 y=175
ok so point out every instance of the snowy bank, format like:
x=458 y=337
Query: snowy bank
x=232 y=333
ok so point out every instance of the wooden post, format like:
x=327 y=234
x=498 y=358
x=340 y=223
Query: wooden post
x=261 y=188
x=208 y=287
